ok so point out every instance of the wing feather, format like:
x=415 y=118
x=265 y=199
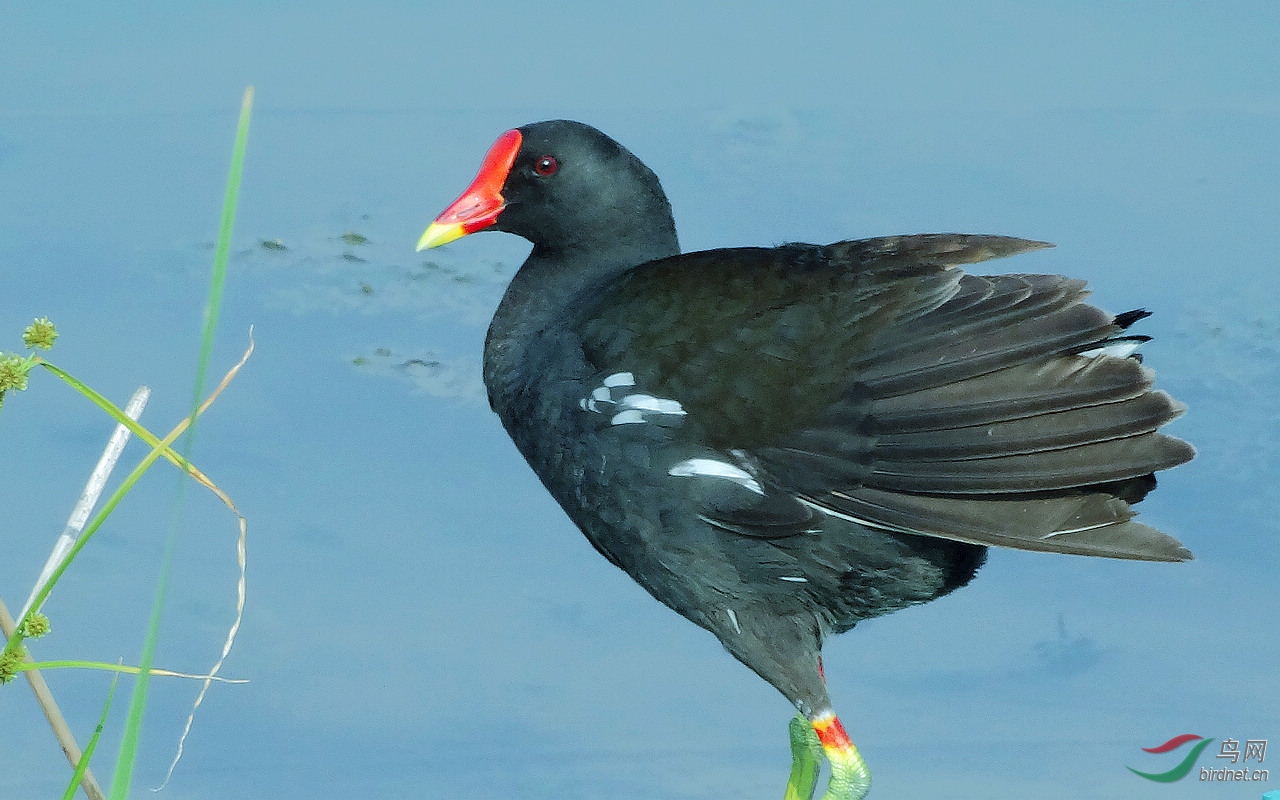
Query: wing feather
x=874 y=381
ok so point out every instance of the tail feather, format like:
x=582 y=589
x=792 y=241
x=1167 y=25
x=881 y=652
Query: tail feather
x=1025 y=435
x=1086 y=524
x=1024 y=390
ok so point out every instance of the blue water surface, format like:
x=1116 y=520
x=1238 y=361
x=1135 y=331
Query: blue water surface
x=423 y=621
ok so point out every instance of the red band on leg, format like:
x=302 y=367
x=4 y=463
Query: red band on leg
x=831 y=732
x=850 y=778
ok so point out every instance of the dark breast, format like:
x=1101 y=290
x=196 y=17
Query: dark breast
x=613 y=481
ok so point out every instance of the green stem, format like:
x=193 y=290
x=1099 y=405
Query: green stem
x=127 y=756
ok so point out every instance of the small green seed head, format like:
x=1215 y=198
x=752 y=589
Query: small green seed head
x=37 y=625
x=10 y=659
x=41 y=333
x=13 y=372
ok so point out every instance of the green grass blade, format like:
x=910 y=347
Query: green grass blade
x=221 y=254
x=107 y=507
x=78 y=776
x=116 y=413
x=107 y=666
x=122 y=778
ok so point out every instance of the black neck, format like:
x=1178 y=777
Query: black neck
x=544 y=290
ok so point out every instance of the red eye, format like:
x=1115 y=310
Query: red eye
x=546 y=166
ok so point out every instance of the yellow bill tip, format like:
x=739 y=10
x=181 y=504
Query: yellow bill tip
x=438 y=234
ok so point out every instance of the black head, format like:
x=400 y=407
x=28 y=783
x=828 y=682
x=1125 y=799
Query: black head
x=568 y=189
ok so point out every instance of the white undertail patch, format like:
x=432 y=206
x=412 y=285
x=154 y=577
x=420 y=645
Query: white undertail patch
x=1121 y=348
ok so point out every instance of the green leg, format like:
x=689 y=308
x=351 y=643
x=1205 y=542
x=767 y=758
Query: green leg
x=850 y=777
x=806 y=760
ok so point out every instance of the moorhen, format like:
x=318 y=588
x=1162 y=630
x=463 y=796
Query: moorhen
x=780 y=442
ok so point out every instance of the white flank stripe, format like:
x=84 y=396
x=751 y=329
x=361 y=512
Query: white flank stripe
x=647 y=402
x=711 y=468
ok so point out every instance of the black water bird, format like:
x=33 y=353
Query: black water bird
x=780 y=442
